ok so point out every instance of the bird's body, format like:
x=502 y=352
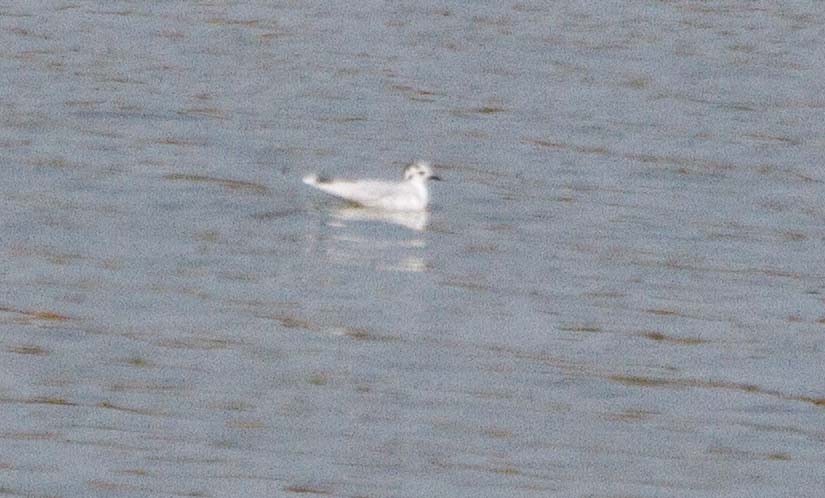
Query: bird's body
x=408 y=195
x=403 y=196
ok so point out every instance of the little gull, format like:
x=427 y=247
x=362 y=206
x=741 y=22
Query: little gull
x=409 y=194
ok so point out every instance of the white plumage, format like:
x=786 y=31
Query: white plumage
x=409 y=194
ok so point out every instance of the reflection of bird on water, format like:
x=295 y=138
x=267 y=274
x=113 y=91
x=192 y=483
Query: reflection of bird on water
x=414 y=220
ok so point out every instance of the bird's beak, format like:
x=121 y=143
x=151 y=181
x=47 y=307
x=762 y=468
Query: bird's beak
x=436 y=178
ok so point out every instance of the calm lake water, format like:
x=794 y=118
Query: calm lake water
x=618 y=291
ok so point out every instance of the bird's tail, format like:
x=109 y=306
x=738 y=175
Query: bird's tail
x=311 y=179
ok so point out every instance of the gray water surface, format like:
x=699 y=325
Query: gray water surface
x=619 y=291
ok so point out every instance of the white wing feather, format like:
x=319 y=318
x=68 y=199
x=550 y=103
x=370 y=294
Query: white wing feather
x=372 y=193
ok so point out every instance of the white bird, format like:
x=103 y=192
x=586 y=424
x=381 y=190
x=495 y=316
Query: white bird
x=407 y=195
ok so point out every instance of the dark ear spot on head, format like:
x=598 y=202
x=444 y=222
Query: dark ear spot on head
x=324 y=179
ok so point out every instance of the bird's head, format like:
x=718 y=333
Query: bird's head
x=419 y=170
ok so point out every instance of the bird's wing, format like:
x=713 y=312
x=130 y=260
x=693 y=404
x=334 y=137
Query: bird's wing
x=367 y=192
